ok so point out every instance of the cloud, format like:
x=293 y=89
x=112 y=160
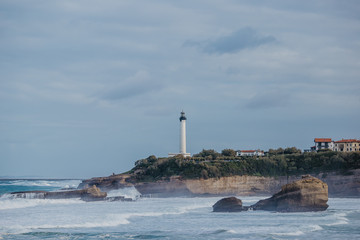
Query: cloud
x=66 y=64
x=271 y=99
x=128 y=91
x=139 y=84
x=245 y=38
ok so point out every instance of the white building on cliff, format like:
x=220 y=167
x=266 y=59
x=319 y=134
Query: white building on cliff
x=323 y=143
x=259 y=153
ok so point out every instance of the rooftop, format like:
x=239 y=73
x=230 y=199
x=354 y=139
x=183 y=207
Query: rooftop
x=250 y=151
x=347 y=141
x=322 y=140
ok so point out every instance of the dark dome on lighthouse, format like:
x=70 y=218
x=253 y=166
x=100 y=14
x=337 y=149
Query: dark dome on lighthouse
x=182 y=117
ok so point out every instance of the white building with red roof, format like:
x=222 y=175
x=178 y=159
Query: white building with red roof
x=249 y=153
x=323 y=143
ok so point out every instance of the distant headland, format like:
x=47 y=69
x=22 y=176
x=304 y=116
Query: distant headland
x=243 y=172
x=213 y=173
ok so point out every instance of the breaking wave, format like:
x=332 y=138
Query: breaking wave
x=42 y=183
x=340 y=219
x=128 y=192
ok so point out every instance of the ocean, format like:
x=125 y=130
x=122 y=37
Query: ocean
x=162 y=218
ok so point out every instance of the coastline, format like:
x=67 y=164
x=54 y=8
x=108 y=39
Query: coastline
x=175 y=186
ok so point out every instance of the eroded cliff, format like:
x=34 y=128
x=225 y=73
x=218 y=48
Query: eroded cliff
x=339 y=185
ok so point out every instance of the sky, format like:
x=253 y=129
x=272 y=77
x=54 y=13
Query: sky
x=88 y=87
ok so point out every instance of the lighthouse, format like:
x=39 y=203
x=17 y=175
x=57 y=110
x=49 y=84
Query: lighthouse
x=182 y=137
x=182 y=133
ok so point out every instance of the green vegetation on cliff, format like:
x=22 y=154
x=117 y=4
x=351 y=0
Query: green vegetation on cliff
x=279 y=162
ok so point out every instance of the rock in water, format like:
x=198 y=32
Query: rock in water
x=230 y=204
x=305 y=195
x=93 y=194
x=88 y=194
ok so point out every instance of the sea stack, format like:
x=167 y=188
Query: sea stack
x=308 y=194
x=305 y=195
x=230 y=204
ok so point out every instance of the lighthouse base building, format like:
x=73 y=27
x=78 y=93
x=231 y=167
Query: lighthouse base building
x=175 y=154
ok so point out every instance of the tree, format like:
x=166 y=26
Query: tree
x=291 y=150
x=276 y=151
x=206 y=153
x=152 y=159
x=228 y=152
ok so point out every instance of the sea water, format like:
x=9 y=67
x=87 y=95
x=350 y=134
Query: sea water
x=162 y=218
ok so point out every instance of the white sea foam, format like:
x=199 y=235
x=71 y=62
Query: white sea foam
x=43 y=183
x=15 y=203
x=314 y=228
x=251 y=200
x=185 y=209
x=295 y=233
x=184 y=218
x=340 y=219
x=111 y=220
x=26 y=195
x=105 y=221
x=129 y=192
x=298 y=230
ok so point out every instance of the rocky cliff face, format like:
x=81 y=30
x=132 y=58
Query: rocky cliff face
x=342 y=185
x=108 y=183
x=338 y=185
x=236 y=185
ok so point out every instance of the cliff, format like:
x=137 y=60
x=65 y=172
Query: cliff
x=338 y=185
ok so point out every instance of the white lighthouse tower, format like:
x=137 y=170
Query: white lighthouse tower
x=182 y=133
x=182 y=137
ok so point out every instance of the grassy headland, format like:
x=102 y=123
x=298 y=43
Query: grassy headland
x=211 y=164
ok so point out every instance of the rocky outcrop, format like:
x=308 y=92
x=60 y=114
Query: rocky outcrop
x=108 y=183
x=93 y=194
x=176 y=186
x=338 y=185
x=88 y=194
x=307 y=194
x=230 y=204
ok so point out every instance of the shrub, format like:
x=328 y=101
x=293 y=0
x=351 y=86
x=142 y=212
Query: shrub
x=153 y=168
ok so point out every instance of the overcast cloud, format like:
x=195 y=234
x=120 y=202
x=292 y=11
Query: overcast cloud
x=89 y=87
x=233 y=43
